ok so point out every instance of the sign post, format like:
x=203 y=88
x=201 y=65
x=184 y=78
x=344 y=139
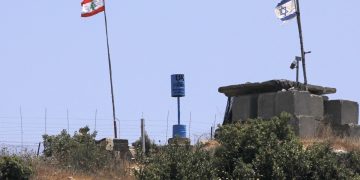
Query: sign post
x=178 y=90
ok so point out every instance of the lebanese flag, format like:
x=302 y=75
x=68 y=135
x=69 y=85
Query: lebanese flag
x=92 y=7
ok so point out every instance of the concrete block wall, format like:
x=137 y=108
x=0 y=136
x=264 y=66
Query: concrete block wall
x=316 y=106
x=244 y=107
x=308 y=110
x=298 y=103
x=266 y=105
x=341 y=112
x=346 y=130
x=305 y=126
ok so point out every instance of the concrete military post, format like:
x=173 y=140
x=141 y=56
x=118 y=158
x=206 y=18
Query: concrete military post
x=308 y=104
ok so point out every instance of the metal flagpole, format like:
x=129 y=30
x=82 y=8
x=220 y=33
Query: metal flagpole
x=301 y=40
x=297 y=72
x=110 y=72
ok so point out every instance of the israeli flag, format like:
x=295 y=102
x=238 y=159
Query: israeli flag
x=286 y=10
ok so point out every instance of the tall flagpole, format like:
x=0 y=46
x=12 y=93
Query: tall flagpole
x=110 y=71
x=301 y=40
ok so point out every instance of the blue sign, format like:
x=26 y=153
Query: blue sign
x=177 y=85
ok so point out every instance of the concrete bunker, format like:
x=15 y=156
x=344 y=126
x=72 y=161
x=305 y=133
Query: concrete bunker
x=308 y=104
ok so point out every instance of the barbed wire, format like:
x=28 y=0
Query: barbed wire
x=33 y=127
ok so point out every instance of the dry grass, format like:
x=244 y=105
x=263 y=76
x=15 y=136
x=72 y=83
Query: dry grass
x=47 y=171
x=210 y=145
x=337 y=143
x=326 y=135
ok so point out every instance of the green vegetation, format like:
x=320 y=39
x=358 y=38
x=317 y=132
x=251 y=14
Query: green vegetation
x=150 y=146
x=176 y=162
x=256 y=149
x=13 y=168
x=79 y=151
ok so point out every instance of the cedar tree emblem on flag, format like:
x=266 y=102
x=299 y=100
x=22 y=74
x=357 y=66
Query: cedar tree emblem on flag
x=92 y=7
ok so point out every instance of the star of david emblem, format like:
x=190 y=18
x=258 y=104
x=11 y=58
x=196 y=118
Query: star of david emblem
x=283 y=11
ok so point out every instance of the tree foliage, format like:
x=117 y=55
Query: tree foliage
x=258 y=149
x=14 y=168
x=79 y=151
x=176 y=162
x=255 y=149
x=150 y=146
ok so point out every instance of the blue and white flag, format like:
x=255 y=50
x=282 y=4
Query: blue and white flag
x=286 y=10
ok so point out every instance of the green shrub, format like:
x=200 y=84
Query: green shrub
x=78 y=152
x=58 y=146
x=255 y=149
x=352 y=161
x=14 y=168
x=326 y=164
x=268 y=149
x=150 y=146
x=259 y=149
x=176 y=162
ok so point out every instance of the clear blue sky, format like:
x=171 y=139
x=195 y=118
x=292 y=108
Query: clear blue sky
x=52 y=58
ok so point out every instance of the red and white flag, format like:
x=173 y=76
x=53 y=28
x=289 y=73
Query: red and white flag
x=92 y=7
